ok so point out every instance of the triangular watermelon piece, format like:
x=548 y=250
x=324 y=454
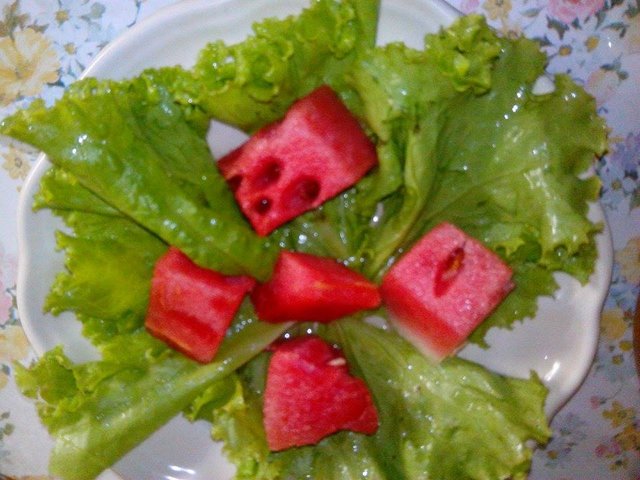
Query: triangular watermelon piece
x=310 y=394
x=309 y=288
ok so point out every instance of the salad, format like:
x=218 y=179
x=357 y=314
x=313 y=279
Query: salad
x=460 y=137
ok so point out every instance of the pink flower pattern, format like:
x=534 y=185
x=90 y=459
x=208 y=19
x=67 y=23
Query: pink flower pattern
x=568 y=10
x=468 y=6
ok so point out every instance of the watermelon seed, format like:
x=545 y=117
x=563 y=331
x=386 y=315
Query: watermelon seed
x=448 y=271
x=262 y=206
x=301 y=193
x=310 y=189
x=234 y=182
x=269 y=174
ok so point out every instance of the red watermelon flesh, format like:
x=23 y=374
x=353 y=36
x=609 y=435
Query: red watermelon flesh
x=190 y=307
x=310 y=394
x=289 y=167
x=443 y=288
x=306 y=287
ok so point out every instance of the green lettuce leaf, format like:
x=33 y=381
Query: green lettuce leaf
x=59 y=190
x=109 y=259
x=448 y=421
x=97 y=411
x=480 y=154
x=109 y=263
x=254 y=82
x=131 y=145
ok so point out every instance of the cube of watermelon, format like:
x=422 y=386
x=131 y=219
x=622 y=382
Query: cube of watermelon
x=310 y=394
x=190 y=307
x=296 y=164
x=309 y=288
x=443 y=288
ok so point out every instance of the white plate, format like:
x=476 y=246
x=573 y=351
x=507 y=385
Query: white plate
x=559 y=344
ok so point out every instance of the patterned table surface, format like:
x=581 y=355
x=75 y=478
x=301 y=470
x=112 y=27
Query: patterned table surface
x=45 y=45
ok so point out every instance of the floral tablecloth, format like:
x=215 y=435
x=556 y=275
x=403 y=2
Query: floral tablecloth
x=46 y=44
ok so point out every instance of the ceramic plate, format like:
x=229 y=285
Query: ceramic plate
x=559 y=344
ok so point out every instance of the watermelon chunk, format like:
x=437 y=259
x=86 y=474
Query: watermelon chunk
x=306 y=287
x=443 y=288
x=316 y=151
x=190 y=307
x=310 y=394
